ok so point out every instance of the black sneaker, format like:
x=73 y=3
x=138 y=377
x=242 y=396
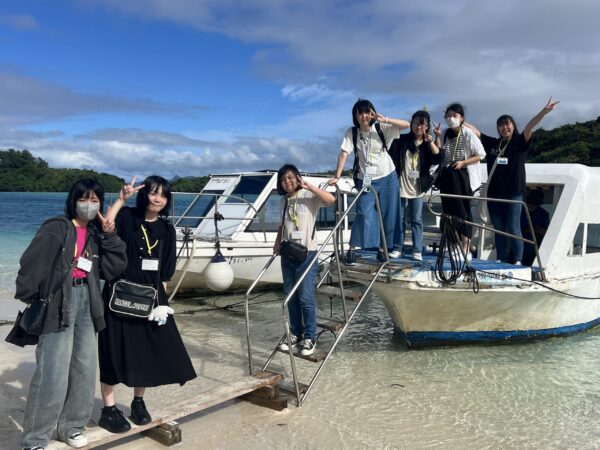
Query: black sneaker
x=139 y=413
x=308 y=348
x=295 y=343
x=381 y=256
x=350 y=258
x=112 y=420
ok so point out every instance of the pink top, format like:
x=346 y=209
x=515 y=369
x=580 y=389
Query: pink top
x=81 y=235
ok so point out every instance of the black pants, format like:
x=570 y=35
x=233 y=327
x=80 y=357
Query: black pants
x=452 y=181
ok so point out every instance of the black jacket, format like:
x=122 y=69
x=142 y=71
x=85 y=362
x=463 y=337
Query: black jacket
x=48 y=258
x=427 y=159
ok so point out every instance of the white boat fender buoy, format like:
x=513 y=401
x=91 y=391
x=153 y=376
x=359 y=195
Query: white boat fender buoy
x=218 y=274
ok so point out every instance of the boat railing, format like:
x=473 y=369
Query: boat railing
x=334 y=236
x=483 y=227
x=178 y=218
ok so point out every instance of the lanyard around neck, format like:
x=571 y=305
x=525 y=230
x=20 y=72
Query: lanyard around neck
x=294 y=214
x=367 y=147
x=76 y=247
x=149 y=246
x=501 y=150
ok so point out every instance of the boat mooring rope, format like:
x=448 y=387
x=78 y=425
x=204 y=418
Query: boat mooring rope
x=450 y=246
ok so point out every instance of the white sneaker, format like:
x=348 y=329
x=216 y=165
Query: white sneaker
x=77 y=440
x=308 y=348
x=518 y=263
x=295 y=343
x=395 y=254
x=418 y=256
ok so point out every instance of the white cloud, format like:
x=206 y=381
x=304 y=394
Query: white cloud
x=494 y=57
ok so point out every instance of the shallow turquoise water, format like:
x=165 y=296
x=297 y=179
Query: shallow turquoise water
x=375 y=393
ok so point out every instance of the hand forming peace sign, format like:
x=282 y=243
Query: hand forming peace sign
x=550 y=106
x=108 y=224
x=128 y=190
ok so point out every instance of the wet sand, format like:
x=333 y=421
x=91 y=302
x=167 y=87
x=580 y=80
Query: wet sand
x=216 y=343
x=373 y=394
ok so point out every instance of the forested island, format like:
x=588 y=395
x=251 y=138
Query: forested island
x=20 y=171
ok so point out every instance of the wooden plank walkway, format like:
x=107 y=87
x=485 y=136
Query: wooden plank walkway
x=176 y=408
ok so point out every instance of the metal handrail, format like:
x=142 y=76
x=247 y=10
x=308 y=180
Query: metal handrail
x=303 y=276
x=483 y=227
x=184 y=215
x=246 y=306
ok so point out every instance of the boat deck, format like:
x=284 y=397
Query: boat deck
x=406 y=269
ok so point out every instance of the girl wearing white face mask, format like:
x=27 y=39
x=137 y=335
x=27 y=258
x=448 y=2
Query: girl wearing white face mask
x=459 y=174
x=63 y=264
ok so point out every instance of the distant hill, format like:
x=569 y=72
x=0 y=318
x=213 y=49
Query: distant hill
x=577 y=143
x=20 y=171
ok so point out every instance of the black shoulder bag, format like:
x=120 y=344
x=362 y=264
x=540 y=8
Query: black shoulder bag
x=135 y=300
x=293 y=251
x=29 y=324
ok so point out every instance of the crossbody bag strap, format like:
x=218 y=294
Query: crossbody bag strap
x=66 y=274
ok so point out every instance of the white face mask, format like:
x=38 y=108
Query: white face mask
x=453 y=122
x=87 y=210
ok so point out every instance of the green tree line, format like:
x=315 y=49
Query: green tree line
x=571 y=143
x=20 y=171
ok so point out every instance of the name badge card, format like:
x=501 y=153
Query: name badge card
x=503 y=161
x=150 y=264
x=297 y=235
x=84 y=264
x=367 y=180
x=413 y=174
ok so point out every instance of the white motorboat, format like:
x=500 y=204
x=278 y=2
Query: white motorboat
x=513 y=302
x=248 y=212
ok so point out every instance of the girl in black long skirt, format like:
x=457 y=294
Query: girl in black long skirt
x=137 y=352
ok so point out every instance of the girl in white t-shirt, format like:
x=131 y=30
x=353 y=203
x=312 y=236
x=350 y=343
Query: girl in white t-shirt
x=302 y=203
x=376 y=168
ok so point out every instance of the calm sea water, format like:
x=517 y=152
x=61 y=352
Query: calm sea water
x=374 y=393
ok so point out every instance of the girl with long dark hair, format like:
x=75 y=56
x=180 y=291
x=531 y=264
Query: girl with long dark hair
x=137 y=352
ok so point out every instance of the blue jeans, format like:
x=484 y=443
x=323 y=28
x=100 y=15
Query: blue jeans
x=365 y=229
x=61 y=393
x=507 y=217
x=302 y=307
x=415 y=211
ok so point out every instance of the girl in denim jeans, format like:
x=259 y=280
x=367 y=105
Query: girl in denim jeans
x=71 y=250
x=303 y=200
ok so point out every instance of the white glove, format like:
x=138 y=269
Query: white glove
x=160 y=314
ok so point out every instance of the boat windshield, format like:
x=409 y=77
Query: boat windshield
x=270 y=215
x=199 y=208
x=249 y=188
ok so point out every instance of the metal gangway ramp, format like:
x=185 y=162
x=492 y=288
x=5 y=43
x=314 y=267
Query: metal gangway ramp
x=336 y=325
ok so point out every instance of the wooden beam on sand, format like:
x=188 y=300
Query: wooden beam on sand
x=170 y=412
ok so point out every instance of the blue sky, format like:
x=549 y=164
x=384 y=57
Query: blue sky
x=188 y=87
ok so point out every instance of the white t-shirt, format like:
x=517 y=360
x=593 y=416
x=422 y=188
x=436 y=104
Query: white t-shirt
x=300 y=216
x=373 y=158
x=410 y=187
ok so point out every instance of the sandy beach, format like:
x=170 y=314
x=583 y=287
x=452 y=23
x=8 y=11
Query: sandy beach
x=219 y=355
